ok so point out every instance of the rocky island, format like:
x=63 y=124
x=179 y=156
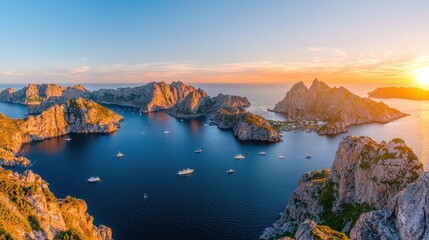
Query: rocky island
x=177 y=99
x=337 y=107
x=29 y=210
x=368 y=193
x=77 y=115
x=411 y=93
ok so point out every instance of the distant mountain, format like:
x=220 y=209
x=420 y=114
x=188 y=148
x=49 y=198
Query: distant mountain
x=337 y=106
x=412 y=93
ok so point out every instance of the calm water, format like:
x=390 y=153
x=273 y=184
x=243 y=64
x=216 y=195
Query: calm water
x=209 y=204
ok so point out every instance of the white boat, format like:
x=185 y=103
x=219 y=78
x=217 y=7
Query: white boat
x=198 y=150
x=145 y=196
x=94 y=179
x=230 y=171
x=308 y=155
x=239 y=156
x=187 y=171
x=281 y=157
x=262 y=153
x=166 y=132
x=119 y=155
x=68 y=138
x=181 y=120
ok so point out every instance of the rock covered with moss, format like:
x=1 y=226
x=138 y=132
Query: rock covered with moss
x=338 y=107
x=245 y=125
x=365 y=175
x=309 y=230
x=29 y=210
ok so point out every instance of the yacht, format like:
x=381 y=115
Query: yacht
x=198 y=150
x=187 y=171
x=308 y=155
x=239 y=157
x=145 y=196
x=281 y=157
x=230 y=171
x=68 y=138
x=119 y=155
x=262 y=153
x=166 y=132
x=94 y=179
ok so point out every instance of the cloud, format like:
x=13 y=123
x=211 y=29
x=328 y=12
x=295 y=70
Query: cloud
x=80 y=69
x=328 y=51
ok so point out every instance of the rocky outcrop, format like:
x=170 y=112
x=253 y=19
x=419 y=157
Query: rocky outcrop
x=338 y=107
x=154 y=96
x=77 y=115
x=29 y=210
x=365 y=175
x=245 y=125
x=404 y=217
x=309 y=230
x=412 y=93
x=34 y=94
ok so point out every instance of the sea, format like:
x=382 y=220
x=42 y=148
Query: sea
x=209 y=204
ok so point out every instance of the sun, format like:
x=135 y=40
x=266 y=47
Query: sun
x=422 y=75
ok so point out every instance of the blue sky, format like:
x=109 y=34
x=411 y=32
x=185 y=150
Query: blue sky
x=210 y=41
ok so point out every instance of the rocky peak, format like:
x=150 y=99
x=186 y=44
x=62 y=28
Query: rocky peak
x=319 y=86
x=367 y=172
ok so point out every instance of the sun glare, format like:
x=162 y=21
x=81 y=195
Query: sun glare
x=422 y=75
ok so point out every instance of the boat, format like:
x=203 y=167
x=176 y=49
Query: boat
x=308 y=155
x=187 y=171
x=198 y=150
x=281 y=157
x=145 y=196
x=119 y=155
x=239 y=157
x=181 y=120
x=94 y=179
x=68 y=138
x=230 y=171
x=262 y=153
x=166 y=132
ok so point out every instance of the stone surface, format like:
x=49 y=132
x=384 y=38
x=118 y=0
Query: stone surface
x=29 y=210
x=337 y=106
x=412 y=93
x=309 y=230
x=404 y=217
x=77 y=115
x=364 y=173
x=245 y=125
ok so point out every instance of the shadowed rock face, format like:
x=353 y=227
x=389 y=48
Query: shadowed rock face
x=365 y=175
x=29 y=210
x=337 y=106
x=77 y=115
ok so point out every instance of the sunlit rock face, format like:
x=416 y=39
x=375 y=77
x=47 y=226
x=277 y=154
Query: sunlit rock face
x=29 y=210
x=245 y=125
x=154 y=96
x=77 y=115
x=337 y=106
x=364 y=176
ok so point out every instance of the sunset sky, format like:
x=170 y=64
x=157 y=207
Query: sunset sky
x=213 y=41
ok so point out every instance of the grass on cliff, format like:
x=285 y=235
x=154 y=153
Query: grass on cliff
x=348 y=212
x=92 y=112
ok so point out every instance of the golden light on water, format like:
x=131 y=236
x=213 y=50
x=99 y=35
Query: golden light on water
x=422 y=75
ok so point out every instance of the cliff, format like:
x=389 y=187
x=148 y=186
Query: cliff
x=404 y=217
x=75 y=116
x=365 y=175
x=338 y=107
x=29 y=210
x=34 y=94
x=154 y=96
x=400 y=92
x=245 y=125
